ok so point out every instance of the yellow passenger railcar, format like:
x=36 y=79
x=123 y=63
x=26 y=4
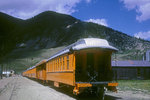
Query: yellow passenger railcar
x=61 y=69
x=31 y=72
x=85 y=64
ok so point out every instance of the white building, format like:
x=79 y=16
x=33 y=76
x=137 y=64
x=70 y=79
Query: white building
x=146 y=56
x=8 y=73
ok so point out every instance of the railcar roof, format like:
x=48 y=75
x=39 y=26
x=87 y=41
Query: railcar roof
x=39 y=63
x=85 y=44
x=93 y=43
x=30 y=68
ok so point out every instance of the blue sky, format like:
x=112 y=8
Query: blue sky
x=128 y=16
x=117 y=16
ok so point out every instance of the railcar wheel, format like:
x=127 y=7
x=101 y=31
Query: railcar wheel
x=100 y=93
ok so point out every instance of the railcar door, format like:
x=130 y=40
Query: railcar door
x=91 y=71
x=90 y=60
x=85 y=67
x=44 y=71
x=93 y=65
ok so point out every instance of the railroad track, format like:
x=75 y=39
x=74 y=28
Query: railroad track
x=14 y=88
x=8 y=88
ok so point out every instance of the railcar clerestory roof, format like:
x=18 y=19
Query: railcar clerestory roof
x=92 y=43
x=85 y=44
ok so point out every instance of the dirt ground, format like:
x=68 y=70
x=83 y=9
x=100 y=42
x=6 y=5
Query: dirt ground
x=127 y=95
x=21 y=88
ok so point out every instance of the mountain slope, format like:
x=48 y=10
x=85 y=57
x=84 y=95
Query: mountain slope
x=8 y=36
x=52 y=30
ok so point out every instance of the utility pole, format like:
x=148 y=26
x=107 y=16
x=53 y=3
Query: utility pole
x=1 y=73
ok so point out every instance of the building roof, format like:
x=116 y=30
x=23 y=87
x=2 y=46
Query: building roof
x=130 y=63
x=85 y=44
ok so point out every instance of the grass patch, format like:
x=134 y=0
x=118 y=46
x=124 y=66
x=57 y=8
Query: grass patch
x=134 y=85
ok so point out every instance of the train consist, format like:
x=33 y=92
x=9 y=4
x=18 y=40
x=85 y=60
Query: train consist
x=84 y=65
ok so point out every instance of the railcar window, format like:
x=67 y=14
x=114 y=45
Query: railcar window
x=48 y=66
x=68 y=62
x=63 y=63
x=138 y=72
x=56 y=64
x=53 y=65
x=60 y=63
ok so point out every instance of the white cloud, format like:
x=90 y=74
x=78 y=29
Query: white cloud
x=142 y=8
x=28 y=8
x=143 y=35
x=98 y=21
x=88 y=1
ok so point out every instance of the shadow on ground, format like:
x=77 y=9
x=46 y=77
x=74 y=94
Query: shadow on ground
x=68 y=91
x=108 y=97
